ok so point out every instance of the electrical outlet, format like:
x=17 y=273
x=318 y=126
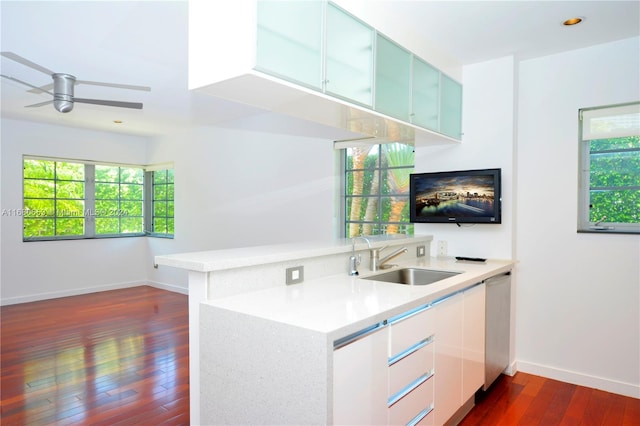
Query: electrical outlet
x=442 y=248
x=295 y=275
x=421 y=251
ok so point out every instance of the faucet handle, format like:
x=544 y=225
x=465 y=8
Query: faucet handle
x=377 y=250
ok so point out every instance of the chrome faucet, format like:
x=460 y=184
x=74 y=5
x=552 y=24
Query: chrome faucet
x=377 y=263
x=353 y=260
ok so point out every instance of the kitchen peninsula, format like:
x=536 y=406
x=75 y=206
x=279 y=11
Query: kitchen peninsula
x=262 y=351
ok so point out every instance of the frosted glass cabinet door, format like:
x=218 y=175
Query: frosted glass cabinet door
x=393 y=79
x=451 y=107
x=290 y=40
x=349 y=57
x=426 y=95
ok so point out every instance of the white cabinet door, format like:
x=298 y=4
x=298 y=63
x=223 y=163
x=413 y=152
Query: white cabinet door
x=360 y=381
x=473 y=341
x=448 y=357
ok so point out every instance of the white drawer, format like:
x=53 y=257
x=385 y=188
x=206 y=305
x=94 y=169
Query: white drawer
x=428 y=420
x=409 y=331
x=408 y=407
x=410 y=368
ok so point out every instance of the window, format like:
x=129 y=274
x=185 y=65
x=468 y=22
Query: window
x=54 y=200
x=119 y=200
x=610 y=169
x=69 y=199
x=162 y=202
x=376 y=199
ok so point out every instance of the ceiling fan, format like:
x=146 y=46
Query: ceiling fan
x=63 y=88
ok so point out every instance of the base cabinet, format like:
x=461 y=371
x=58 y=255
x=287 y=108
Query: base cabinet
x=459 y=356
x=385 y=376
x=473 y=341
x=420 y=367
x=360 y=381
x=448 y=357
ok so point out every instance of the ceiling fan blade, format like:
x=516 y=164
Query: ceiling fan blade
x=39 y=104
x=33 y=88
x=134 y=105
x=39 y=89
x=26 y=62
x=121 y=86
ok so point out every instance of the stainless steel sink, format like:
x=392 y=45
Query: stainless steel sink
x=412 y=276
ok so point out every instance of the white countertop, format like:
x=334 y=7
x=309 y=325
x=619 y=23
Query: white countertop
x=216 y=260
x=341 y=304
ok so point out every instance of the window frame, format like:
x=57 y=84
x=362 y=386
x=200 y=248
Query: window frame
x=89 y=201
x=584 y=222
x=93 y=217
x=150 y=212
x=378 y=224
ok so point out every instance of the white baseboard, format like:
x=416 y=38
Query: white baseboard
x=511 y=369
x=87 y=290
x=168 y=287
x=581 y=379
x=66 y=293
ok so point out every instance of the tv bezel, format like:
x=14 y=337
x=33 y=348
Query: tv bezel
x=495 y=218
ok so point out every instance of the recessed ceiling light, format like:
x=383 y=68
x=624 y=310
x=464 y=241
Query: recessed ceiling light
x=572 y=21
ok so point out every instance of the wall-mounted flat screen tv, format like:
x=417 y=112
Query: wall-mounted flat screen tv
x=463 y=196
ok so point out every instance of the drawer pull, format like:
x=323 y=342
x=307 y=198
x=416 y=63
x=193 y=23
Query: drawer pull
x=407 y=389
x=409 y=313
x=421 y=415
x=357 y=336
x=421 y=344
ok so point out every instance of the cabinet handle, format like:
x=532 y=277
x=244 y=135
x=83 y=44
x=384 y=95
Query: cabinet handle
x=421 y=344
x=407 y=389
x=421 y=415
x=344 y=341
x=408 y=314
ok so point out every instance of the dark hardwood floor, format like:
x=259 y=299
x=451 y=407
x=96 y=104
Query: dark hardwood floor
x=108 y=358
x=121 y=358
x=527 y=400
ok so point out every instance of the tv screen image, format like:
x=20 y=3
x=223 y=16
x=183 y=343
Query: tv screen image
x=464 y=196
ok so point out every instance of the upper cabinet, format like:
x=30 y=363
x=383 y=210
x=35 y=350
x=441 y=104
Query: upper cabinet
x=289 y=41
x=451 y=107
x=314 y=60
x=393 y=79
x=425 y=95
x=349 y=57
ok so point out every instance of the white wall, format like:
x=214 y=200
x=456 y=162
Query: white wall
x=488 y=114
x=578 y=308
x=45 y=269
x=576 y=296
x=234 y=188
x=238 y=188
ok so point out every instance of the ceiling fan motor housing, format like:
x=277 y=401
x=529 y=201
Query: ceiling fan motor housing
x=63 y=91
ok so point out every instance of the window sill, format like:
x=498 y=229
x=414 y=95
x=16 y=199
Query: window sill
x=608 y=231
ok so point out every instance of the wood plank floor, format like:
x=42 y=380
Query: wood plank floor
x=110 y=358
x=527 y=400
x=121 y=358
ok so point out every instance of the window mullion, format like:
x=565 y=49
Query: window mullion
x=89 y=200
x=147 y=205
x=55 y=198
x=381 y=177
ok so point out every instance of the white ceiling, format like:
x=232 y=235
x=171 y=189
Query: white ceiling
x=145 y=43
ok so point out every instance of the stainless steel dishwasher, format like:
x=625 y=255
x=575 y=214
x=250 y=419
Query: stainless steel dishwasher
x=497 y=332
